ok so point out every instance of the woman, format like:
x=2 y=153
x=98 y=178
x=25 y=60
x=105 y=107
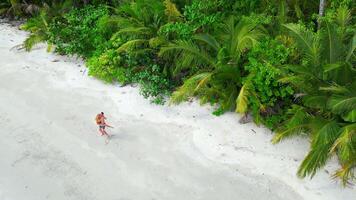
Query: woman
x=100 y=121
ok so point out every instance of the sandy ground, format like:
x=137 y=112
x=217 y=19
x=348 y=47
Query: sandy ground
x=50 y=147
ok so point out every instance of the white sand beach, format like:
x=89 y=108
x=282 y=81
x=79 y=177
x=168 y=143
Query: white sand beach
x=50 y=147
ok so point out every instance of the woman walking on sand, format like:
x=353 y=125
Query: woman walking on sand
x=100 y=121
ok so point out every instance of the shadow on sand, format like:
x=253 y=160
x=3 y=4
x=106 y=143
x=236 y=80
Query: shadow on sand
x=121 y=136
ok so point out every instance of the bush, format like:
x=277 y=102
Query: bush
x=271 y=97
x=106 y=67
x=80 y=31
x=153 y=83
x=110 y=65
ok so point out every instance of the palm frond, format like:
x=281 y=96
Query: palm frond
x=132 y=45
x=243 y=97
x=294 y=80
x=245 y=35
x=352 y=48
x=135 y=30
x=315 y=101
x=187 y=54
x=187 y=47
x=350 y=116
x=345 y=147
x=32 y=40
x=307 y=42
x=343 y=16
x=345 y=143
x=346 y=173
x=319 y=153
x=301 y=70
x=157 y=41
x=190 y=87
x=208 y=39
x=239 y=37
x=335 y=89
x=342 y=104
x=296 y=124
x=282 y=11
x=331 y=67
x=330 y=40
x=228 y=98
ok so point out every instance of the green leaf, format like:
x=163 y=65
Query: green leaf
x=332 y=48
x=307 y=42
x=316 y=101
x=342 y=104
x=345 y=143
x=297 y=123
x=190 y=87
x=132 y=45
x=330 y=67
x=208 y=39
x=242 y=98
x=319 y=153
x=350 y=117
x=352 y=48
x=335 y=89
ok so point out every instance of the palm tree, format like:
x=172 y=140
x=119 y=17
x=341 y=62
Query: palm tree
x=322 y=5
x=215 y=59
x=326 y=82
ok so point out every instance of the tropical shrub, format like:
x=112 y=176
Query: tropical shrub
x=325 y=81
x=38 y=25
x=199 y=16
x=153 y=83
x=267 y=98
x=38 y=28
x=107 y=63
x=78 y=32
x=106 y=66
x=217 y=77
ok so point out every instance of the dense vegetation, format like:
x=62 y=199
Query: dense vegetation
x=288 y=63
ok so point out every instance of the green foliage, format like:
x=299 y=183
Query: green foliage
x=78 y=32
x=199 y=15
x=106 y=66
x=38 y=28
x=177 y=30
x=267 y=97
x=38 y=25
x=219 y=77
x=171 y=11
x=112 y=65
x=153 y=83
x=327 y=81
x=203 y=13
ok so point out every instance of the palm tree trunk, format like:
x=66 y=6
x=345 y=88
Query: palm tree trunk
x=322 y=5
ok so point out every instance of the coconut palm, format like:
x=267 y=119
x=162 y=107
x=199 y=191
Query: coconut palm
x=215 y=59
x=326 y=82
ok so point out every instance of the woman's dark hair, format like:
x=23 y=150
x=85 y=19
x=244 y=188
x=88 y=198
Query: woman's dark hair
x=102 y=113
